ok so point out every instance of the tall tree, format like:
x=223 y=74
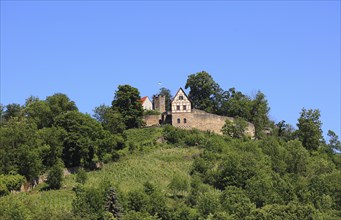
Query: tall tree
x=111 y=120
x=39 y=112
x=127 y=102
x=20 y=148
x=259 y=113
x=309 y=128
x=334 y=142
x=80 y=139
x=60 y=103
x=203 y=91
x=13 y=110
x=237 y=104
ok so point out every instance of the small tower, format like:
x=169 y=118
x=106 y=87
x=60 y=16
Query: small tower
x=159 y=103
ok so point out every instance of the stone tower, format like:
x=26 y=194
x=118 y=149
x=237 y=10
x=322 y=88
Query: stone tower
x=159 y=103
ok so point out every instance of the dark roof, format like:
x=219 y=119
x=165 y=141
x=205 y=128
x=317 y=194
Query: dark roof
x=183 y=92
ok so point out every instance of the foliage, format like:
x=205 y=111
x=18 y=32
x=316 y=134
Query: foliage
x=55 y=177
x=208 y=203
x=89 y=203
x=334 y=142
x=151 y=112
x=60 y=103
x=235 y=201
x=237 y=104
x=81 y=176
x=112 y=204
x=110 y=119
x=285 y=175
x=83 y=139
x=309 y=128
x=11 y=182
x=178 y=185
x=40 y=112
x=12 y=111
x=203 y=91
x=138 y=201
x=259 y=114
x=127 y=102
x=235 y=128
x=284 y=131
x=19 y=152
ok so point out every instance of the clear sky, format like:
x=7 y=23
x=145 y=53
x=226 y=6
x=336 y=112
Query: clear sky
x=288 y=50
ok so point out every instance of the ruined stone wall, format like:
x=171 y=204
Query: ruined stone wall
x=152 y=120
x=159 y=103
x=204 y=121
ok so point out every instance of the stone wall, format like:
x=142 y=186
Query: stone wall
x=204 y=121
x=159 y=103
x=152 y=120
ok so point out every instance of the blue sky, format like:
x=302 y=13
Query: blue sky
x=288 y=50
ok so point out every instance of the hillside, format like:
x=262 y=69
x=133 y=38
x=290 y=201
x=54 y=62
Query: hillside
x=195 y=175
x=123 y=170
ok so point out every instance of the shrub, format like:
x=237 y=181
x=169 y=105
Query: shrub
x=55 y=176
x=112 y=204
x=208 y=203
x=132 y=215
x=3 y=189
x=81 y=176
x=137 y=201
x=178 y=185
x=89 y=203
x=149 y=188
x=10 y=182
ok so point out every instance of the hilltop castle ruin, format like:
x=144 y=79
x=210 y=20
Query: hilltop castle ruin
x=182 y=115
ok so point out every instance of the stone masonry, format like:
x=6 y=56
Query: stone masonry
x=185 y=117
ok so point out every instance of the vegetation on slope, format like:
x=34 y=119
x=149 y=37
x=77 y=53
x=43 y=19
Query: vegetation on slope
x=164 y=172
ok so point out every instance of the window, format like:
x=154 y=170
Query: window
x=178 y=107
x=184 y=107
x=185 y=120
x=181 y=97
x=179 y=120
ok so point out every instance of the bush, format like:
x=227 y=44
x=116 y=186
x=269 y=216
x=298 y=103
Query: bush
x=14 y=209
x=3 y=189
x=81 y=176
x=149 y=188
x=137 y=201
x=89 y=203
x=10 y=182
x=55 y=176
x=132 y=215
x=208 y=203
x=174 y=135
x=178 y=185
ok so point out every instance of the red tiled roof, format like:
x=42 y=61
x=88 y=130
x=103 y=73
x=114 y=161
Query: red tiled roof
x=143 y=99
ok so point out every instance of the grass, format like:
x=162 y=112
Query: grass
x=157 y=164
x=143 y=135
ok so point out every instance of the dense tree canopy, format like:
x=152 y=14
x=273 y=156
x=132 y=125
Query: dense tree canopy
x=203 y=91
x=309 y=128
x=110 y=119
x=127 y=102
x=207 y=95
x=285 y=174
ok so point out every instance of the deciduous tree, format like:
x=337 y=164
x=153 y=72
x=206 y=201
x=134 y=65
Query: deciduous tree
x=309 y=128
x=203 y=91
x=127 y=102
